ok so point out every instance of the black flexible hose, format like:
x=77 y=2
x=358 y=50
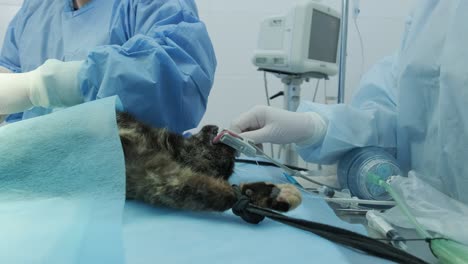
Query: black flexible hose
x=254 y=215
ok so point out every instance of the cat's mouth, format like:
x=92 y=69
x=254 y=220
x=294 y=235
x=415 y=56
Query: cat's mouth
x=215 y=136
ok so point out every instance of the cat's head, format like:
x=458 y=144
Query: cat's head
x=202 y=155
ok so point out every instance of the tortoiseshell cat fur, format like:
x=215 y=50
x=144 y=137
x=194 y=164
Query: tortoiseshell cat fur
x=166 y=169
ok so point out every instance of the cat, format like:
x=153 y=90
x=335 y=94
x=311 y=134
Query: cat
x=166 y=169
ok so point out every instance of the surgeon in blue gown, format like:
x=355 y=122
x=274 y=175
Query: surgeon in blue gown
x=415 y=101
x=155 y=55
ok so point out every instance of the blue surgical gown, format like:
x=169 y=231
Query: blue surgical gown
x=415 y=101
x=155 y=54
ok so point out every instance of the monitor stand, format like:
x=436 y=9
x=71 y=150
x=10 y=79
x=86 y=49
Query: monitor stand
x=292 y=97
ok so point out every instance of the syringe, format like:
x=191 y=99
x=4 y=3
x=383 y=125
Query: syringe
x=379 y=224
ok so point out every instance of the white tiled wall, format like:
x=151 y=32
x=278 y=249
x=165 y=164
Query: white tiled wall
x=233 y=26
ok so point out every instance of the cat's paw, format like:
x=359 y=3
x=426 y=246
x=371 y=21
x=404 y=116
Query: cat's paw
x=280 y=197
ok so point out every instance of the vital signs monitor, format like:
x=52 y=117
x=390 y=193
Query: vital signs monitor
x=305 y=40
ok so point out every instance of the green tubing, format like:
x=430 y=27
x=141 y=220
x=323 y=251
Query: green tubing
x=375 y=179
x=449 y=251
x=446 y=250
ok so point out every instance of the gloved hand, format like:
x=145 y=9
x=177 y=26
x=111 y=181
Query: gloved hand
x=53 y=84
x=267 y=124
x=3 y=70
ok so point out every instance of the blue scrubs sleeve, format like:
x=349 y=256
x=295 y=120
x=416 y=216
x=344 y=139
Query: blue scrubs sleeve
x=9 y=55
x=162 y=65
x=370 y=119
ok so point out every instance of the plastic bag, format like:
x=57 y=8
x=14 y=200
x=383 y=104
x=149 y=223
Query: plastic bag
x=434 y=210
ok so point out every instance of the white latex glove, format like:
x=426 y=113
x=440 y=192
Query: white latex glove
x=267 y=124
x=53 y=84
x=3 y=117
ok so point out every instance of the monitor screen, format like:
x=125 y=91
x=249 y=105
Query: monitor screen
x=324 y=37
